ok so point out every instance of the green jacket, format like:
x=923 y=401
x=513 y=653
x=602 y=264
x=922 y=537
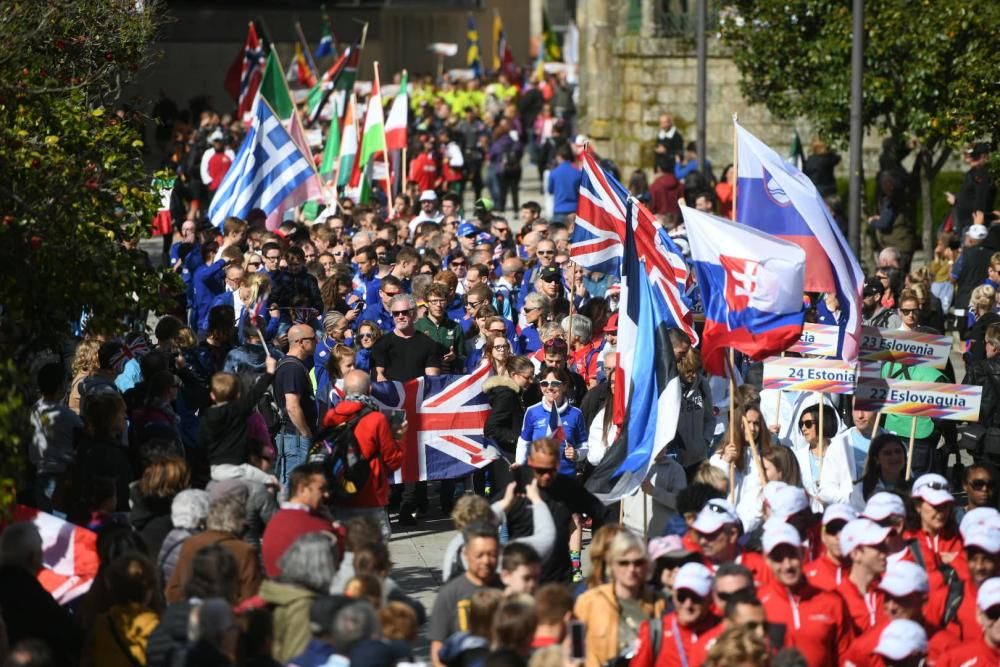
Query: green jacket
x=901 y=424
x=449 y=336
x=290 y=605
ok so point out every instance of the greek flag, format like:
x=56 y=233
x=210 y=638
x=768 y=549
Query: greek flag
x=266 y=171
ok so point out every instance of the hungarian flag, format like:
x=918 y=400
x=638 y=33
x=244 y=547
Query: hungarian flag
x=348 y=145
x=331 y=151
x=243 y=77
x=373 y=148
x=69 y=554
x=396 y=123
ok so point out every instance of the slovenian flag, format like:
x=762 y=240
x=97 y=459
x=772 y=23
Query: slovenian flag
x=751 y=287
x=777 y=198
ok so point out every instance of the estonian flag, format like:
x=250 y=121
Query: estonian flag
x=647 y=373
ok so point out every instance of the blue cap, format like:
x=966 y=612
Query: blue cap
x=467 y=229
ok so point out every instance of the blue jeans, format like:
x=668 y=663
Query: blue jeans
x=292 y=452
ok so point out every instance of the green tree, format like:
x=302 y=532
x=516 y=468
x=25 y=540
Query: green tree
x=73 y=188
x=931 y=74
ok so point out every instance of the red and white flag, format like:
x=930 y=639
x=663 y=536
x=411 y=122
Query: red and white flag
x=69 y=554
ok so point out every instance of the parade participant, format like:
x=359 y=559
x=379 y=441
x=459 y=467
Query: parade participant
x=864 y=546
x=717 y=530
x=934 y=529
x=736 y=459
x=845 y=458
x=829 y=570
x=984 y=647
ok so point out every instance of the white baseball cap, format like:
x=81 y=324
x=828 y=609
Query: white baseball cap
x=984 y=537
x=979 y=516
x=216 y=136
x=787 y=500
x=428 y=195
x=989 y=594
x=903 y=577
x=861 y=532
x=978 y=232
x=901 y=639
x=776 y=532
x=839 y=512
x=714 y=515
x=694 y=577
x=932 y=488
x=883 y=505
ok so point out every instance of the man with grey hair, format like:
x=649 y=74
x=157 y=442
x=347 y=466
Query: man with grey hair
x=28 y=610
x=216 y=634
x=224 y=525
x=381 y=444
x=405 y=353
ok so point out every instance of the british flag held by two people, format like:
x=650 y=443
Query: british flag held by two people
x=446 y=415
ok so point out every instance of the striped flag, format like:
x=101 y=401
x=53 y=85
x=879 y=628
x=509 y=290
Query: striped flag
x=395 y=124
x=320 y=95
x=348 y=145
x=303 y=75
x=69 y=554
x=267 y=170
x=373 y=146
x=648 y=389
x=244 y=75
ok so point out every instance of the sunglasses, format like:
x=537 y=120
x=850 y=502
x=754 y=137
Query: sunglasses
x=993 y=613
x=981 y=484
x=550 y=384
x=390 y=295
x=254 y=263
x=834 y=527
x=545 y=253
x=909 y=311
x=806 y=423
x=543 y=471
x=401 y=313
x=462 y=263
x=475 y=304
x=684 y=595
x=339 y=253
x=637 y=562
x=366 y=335
x=726 y=597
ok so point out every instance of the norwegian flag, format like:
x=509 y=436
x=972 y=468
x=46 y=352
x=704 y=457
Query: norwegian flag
x=69 y=554
x=446 y=415
x=243 y=77
x=600 y=231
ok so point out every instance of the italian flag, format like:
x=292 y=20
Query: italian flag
x=373 y=143
x=395 y=124
x=348 y=145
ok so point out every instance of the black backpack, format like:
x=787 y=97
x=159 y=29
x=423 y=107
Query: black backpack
x=267 y=404
x=337 y=448
x=510 y=161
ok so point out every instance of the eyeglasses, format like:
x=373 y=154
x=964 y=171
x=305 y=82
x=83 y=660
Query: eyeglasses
x=806 y=423
x=637 y=562
x=366 y=335
x=475 y=304
x=981 y=484
x=401 y=313
x=339 y=253
x=272 y=258
x=550 y=384
x=545 y=253
x=909 y=311
x=499 y=348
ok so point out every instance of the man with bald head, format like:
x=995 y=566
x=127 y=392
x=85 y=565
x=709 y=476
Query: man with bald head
x=381 y=443
x=296 y=398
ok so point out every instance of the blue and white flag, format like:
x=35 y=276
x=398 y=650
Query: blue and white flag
x=267 y=170
x=646 y=380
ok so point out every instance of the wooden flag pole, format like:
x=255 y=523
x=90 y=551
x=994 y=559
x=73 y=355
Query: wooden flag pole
x=307 y=50
x=909 y=451
x=822 y=444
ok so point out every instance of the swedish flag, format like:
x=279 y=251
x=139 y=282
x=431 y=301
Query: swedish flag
x=472 y=53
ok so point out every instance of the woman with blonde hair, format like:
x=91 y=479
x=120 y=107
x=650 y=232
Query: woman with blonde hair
x=739 y=647
x=614 y=611
x=982 y=313
x=85 y=362
x=599 y=545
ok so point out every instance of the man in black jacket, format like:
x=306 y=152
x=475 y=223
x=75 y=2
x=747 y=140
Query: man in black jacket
x=978 y=191
x=564 y=496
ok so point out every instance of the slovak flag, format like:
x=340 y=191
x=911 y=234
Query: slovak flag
x=751 y=287
x=777 y=198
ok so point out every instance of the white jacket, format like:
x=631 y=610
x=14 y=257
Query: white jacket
x=836 y=483
x=747 y=491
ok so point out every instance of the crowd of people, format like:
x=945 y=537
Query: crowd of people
x=237 y=465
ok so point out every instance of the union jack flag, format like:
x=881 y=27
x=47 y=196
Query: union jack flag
x=446 y=415
x=597 y=242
